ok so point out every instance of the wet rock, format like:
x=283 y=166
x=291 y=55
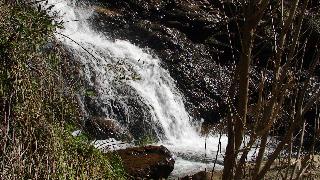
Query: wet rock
x=126 y=109
x=149 y=162
x=197 y=40
x=107 y=12
x=178 y=31
x=104 y=128
x=127 y=112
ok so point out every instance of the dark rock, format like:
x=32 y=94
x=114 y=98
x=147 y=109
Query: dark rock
x=178 y=32
x=128 y=111
x=311 y=28
x=127 y=108
x=198 y=41
x=104 y=128
x=149 y=162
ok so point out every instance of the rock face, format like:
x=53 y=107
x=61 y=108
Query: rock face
x=149 y=162
x=187 y=35
x=197 y=40
x=100 y=113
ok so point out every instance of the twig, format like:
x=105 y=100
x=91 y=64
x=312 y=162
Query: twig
x=78 y=45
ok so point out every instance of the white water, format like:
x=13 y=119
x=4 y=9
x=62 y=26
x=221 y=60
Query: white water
x=152 y=83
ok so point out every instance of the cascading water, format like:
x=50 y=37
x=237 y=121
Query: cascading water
x=116 y=67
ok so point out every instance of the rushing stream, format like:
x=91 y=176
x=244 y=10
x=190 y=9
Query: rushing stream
x=119 y=69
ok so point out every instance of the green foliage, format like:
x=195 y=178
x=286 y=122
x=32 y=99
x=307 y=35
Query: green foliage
x=77 y=158
x=83 y=136
x=38 y=108
x=118 y=168
x=90 y=93
x=146 y=140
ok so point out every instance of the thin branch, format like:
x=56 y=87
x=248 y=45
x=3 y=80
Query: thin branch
x=78 y=45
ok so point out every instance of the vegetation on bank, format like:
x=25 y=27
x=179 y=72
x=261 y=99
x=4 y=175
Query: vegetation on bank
x=38 y=105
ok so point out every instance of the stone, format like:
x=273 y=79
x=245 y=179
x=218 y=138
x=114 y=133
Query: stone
x=148 y=162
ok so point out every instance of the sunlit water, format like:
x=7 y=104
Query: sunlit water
x=100 y=57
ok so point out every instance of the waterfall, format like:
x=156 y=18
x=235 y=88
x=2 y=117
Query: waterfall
x=115 y=67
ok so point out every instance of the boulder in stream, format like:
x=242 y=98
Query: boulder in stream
x=148 y=162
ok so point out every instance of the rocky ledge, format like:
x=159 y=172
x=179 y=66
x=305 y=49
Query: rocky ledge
x=188 y=36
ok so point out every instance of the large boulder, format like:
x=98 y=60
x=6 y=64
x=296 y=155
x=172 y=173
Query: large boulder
x=149 y=162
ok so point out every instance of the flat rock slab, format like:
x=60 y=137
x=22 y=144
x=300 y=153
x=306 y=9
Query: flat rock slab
x=148 y=162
